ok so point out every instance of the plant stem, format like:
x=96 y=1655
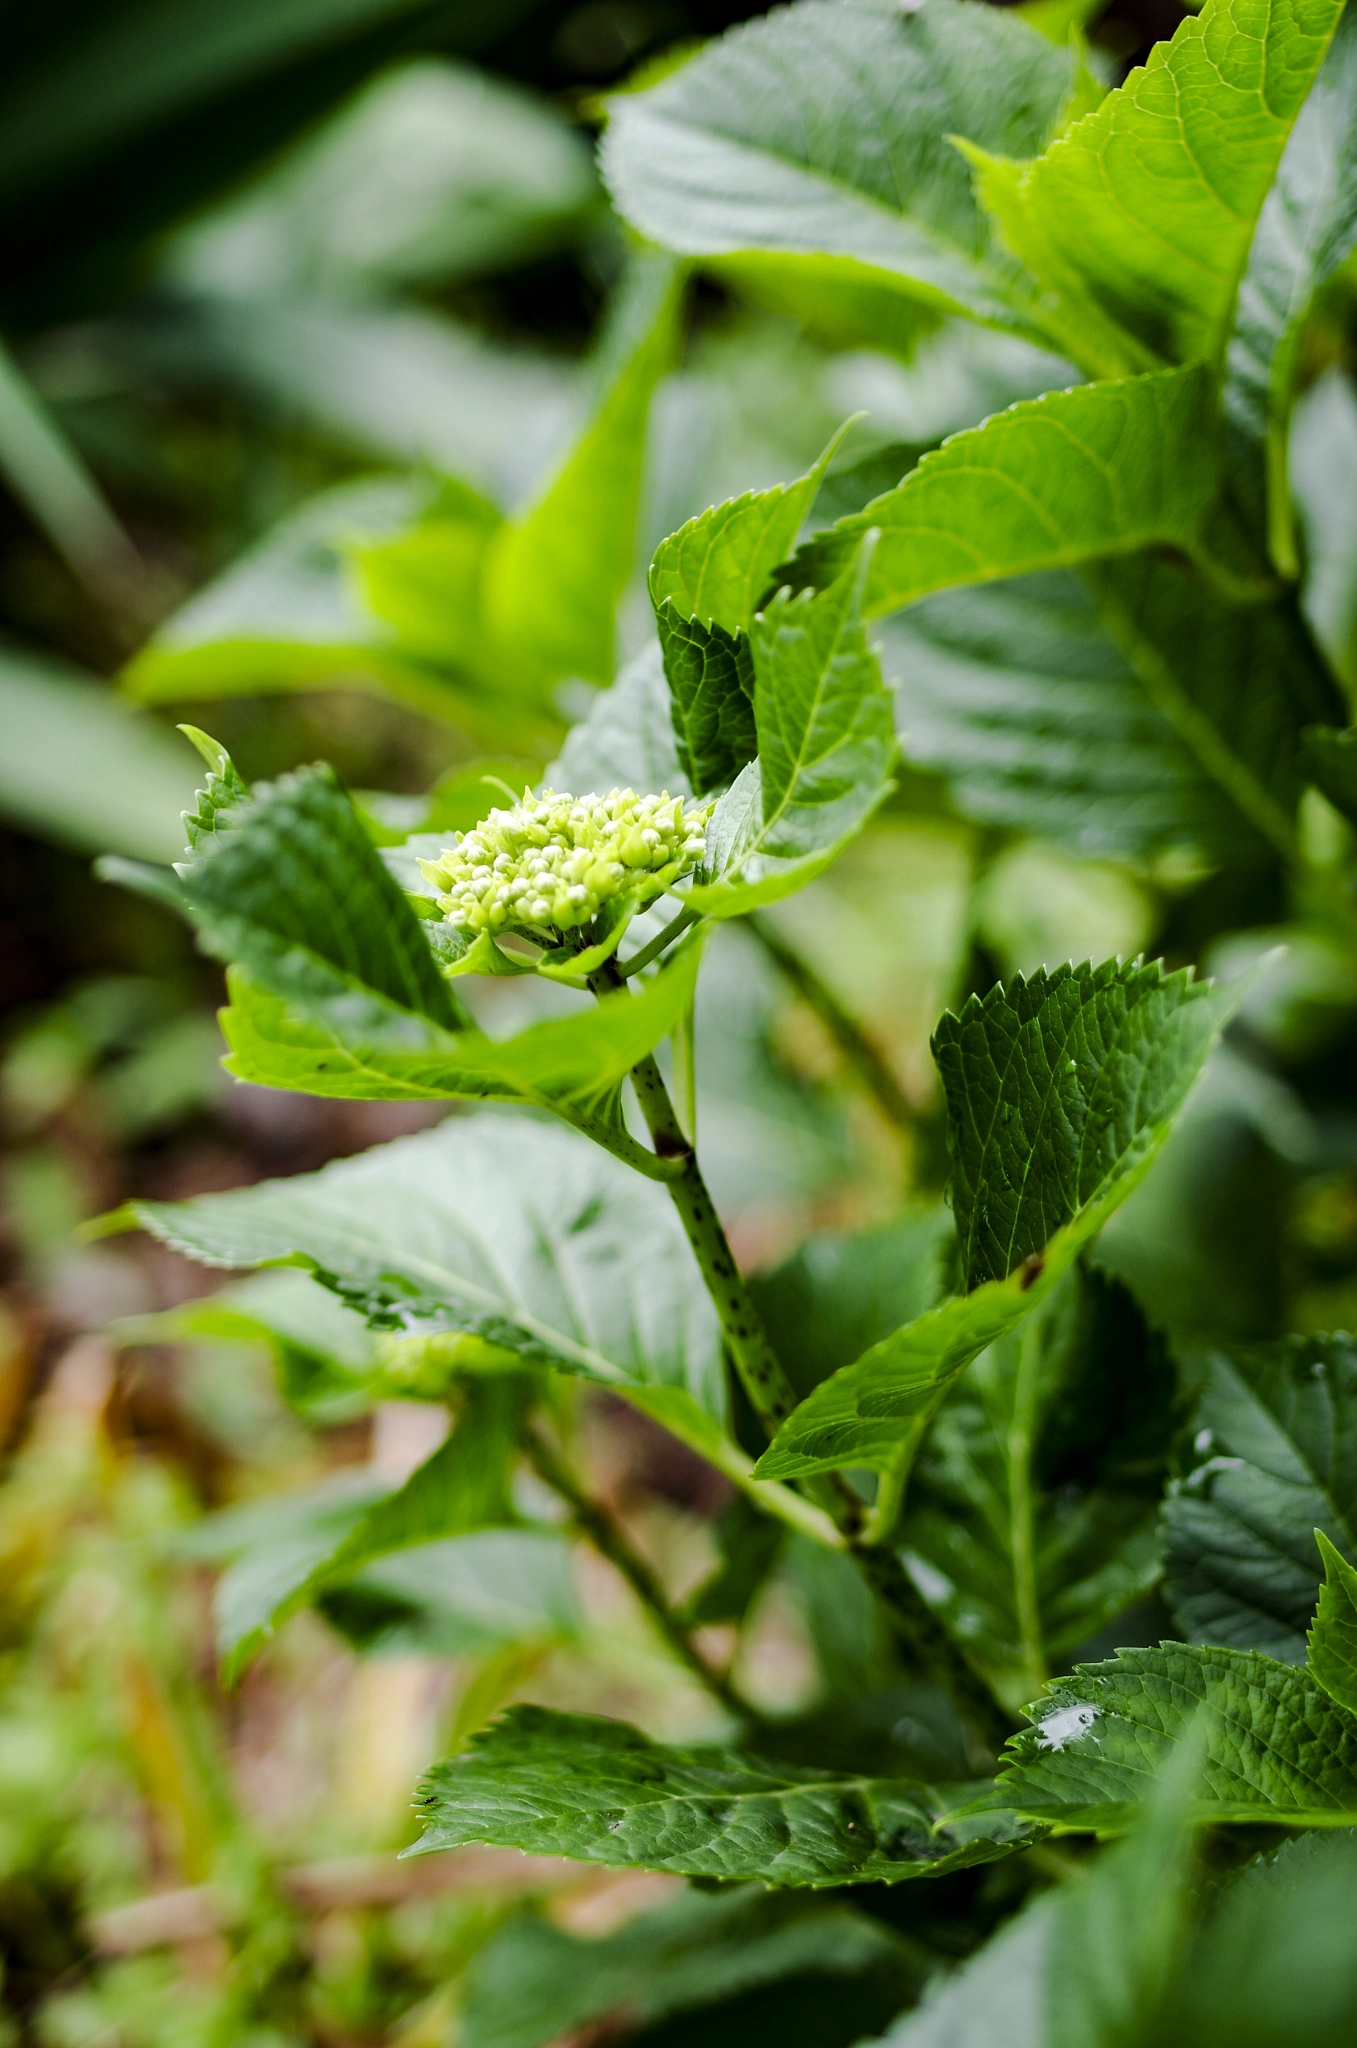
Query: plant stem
x=755 y=1360
x=593 y=1520
x=774 y=1398
x=848 y=1035
x=673 y=930
x=1021 y=1520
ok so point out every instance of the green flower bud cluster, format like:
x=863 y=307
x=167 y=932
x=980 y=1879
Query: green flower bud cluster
x=554 y=861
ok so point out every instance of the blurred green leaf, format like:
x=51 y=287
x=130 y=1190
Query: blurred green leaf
x=466 y=1597
x=532 y=1981
x=627 y=740
x=1276 y=1461
x=434 y=173
x=554 y=574
x=79 y=767
x=570 y=1784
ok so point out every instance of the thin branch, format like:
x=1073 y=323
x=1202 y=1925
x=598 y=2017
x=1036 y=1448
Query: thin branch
x=593 y=1520
x=848 y=1035
x=673 y=930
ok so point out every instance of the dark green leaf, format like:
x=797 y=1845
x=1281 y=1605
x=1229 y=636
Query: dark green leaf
x=1278 y=1444
x=711 y=687
x=1034 y=1501
x=1063 y=1088
x=826 y=749
x=533 y=1982
x=290 y=886
x=600 y=1791
x=1331 y=758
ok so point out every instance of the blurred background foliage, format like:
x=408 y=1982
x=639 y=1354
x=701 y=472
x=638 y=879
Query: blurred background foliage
x=311 y=311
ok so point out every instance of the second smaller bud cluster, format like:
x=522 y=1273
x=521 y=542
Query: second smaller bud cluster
x=552 y=862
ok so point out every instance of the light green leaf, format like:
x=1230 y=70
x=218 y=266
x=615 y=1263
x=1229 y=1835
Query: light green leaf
x=554 y=576
x=572 y=1065
x=826 y=749
x=1307 y=226
x=1322 y=454
x=1143 y=212
x=706 y=583
x=50 y=479
x=1060 y=1091
x=533 y=1982
x=1104 y=469
x=573 y=1785
x=1277 y=1459
x=717 y=568
x=1333 y=1638
x=79 y=767
x=759 y=150
x=489 y=1231
x=1277 y=1750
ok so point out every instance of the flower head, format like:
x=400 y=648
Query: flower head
x=552 y=862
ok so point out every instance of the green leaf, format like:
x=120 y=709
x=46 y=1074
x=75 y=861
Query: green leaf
x=554 y=576
x=1034 y=1502
x=289 y=615
x=325 y=1357
x=434 y=173
x=1277 y=1749
x=1333 y=1637
x=1306 y=228
x=1060 y=1088
x=49 y=478
x=706 y=582
x=1143 y=212
x=627 y=740
x=469 y=1596
x=760 y=150
x=717 y=569
x=489 y=1231
x=710 y=673
x=290 y=886
x=1277 y=1444
x=600 y=1791
x=842 y=1291
x=463 y=1486
x=533 y=1982
x=1060 y=1091
x=1331 y=758
x=78 y=766
x=1104 y=469
x=826 y=749
x=574 y=1065
x=1016 y=694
